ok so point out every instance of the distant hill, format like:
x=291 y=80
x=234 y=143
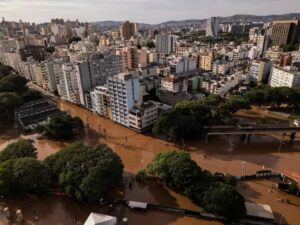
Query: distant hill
x=182 y=22
x=231 y=19
x=108 y=23
x=254 y=18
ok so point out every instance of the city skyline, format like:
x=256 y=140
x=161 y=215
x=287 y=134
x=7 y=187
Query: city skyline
x=138 y=10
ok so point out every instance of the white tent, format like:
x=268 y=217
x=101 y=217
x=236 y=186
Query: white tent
x=100 y=219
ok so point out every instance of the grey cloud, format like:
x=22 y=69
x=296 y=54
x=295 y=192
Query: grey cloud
x=151 y=11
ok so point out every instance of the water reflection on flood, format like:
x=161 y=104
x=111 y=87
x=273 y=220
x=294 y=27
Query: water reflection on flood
x=223 y=154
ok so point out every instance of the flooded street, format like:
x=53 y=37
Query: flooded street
x=221 y=153
x=259 y=192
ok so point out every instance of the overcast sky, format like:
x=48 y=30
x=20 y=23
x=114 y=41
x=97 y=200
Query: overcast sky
x=149 y=11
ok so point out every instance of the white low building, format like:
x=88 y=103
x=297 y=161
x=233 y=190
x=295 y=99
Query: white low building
x=143 y=117
x=284 y=77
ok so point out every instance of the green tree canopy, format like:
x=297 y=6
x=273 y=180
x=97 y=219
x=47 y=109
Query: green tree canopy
x=176 y=168
x=185 y=119
x=50 y=49
x=4 y=70
x=63 y=127
x=224 y=200
x=150 y=44
x=31 y=175
x=179 y=171
x=13 y=83
x=20 y=149
x=31 y=95
x=84 y=172
x=8 y=182
x=8 y=102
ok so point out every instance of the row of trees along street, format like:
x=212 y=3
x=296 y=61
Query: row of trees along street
x=188 y=118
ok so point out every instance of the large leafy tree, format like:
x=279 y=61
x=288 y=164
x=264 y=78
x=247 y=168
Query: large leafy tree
x=4 y=70
x=13 y=83
x=8 y=102
x=84 y=172
x=232 y=105
x=224 y=200
x=177 y=170
x=20 y=149
x=31 y=95
x=63 y=127
x=31 y=175
x=185 y=120
x=8 y=182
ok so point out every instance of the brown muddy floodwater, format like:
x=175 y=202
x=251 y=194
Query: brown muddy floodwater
x=222 y=153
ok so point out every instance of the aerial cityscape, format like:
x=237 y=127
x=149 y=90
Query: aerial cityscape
x=149 y=112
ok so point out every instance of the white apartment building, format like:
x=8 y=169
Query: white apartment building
x=100 y=100
x=240 y=53
x=260 y=70
x=170 y=84
x=143 y=117
x=222 y=85
x=284 y=77
x=262 y=44
x=54 y=71
x=296 y=56
x=182 y=65
x=221 y=67
x=75 y=81
x=176 y=85
x=124 y=94
x=253 y=53
x=212 y=27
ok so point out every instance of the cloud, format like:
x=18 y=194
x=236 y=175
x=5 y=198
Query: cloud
x=151 y=11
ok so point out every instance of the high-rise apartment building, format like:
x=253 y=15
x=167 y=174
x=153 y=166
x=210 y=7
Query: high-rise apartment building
x=103 y=65
x=263 y=44
x=212 y=27
x=124 y=92
x=130 y=58
x=285 y=32
x=128 y=30
x=206 y=61
x=260 y=70
x=165 y=43
x=101 y=101
x=75 y=81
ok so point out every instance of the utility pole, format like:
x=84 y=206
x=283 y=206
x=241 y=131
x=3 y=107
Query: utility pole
x=243 y=168
x=280 y=145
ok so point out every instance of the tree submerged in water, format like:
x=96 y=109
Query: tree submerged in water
x=215 y=193
x=85 y=172
x=63 y=127
x=82 y=172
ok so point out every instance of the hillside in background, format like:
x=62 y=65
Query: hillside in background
x=231 y=19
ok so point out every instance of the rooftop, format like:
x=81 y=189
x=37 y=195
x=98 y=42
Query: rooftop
x=100 y=219
x=259 y=211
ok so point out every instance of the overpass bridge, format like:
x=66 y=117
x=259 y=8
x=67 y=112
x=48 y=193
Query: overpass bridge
x=251 y=128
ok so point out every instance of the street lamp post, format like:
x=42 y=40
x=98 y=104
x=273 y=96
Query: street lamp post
x=243 y=168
